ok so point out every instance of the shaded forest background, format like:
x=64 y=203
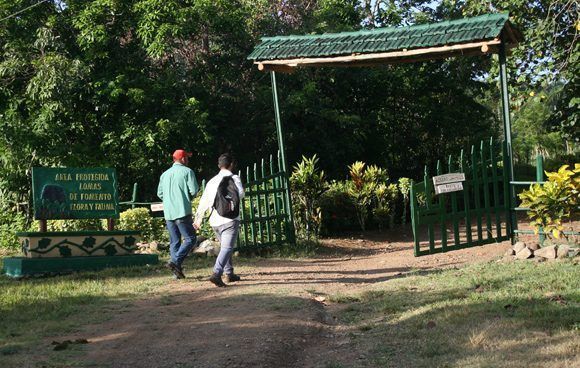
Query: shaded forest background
x=123 y=83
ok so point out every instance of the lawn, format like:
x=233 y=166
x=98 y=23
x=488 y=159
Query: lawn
x=494 y=314
x=490 y=315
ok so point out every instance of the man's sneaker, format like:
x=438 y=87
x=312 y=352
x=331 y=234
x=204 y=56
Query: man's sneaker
x=217 y=280
x=177 y=271
x=232 y=278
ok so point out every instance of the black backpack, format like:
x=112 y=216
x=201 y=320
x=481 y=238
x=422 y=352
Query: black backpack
x=227 y=198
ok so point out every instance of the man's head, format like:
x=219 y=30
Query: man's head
x=181 y=156
x=226 y=161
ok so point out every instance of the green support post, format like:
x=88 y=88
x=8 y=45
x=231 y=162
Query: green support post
x=283 y=154
x=539 y=179
x=513 y=224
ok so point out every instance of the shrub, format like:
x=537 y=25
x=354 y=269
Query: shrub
x=362 y=188
x=10 y=224
x=73 y=225
x=385 y=199
x=308 y=184
x=337 y=208
x=555 y=201
x=139 y=219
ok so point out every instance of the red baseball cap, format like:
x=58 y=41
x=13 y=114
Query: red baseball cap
x=179 y=154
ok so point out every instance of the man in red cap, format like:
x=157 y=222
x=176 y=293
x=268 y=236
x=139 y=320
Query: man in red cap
x=177 y=187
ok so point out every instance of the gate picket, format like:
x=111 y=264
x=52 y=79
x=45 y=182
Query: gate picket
x=480 y=184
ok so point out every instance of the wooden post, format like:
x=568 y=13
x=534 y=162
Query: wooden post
x=110 y=224
x=42 y=226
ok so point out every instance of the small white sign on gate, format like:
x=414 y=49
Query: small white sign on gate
x=156 y=207
x=448 y=188
x=448 y=178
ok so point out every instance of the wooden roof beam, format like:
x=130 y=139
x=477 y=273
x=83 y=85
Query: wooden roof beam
x=404 y=56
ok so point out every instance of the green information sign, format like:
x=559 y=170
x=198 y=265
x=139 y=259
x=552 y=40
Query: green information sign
x=74 y=193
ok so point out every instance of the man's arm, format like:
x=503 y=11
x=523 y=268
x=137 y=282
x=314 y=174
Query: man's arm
x=192 y=183
x=239 y=185
x=160 y=188
x=205 y=202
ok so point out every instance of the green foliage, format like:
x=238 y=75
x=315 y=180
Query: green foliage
x=385 y=198
x=73 y=225
x=10 y=224
x=139 y=219
x=308 y=183
x=338 y=209
x=555 y=201
x=368 y=185
x=122 y=84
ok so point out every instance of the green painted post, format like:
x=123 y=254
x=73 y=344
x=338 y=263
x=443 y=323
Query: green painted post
x=442 y=212
x=454 y=210
x=252 y=213
x=496 y=206
x=476 y=191
x=414 y=224
x=506 y=192
x=292 y=231
x=430 y=230
x=540 y=178
x=266 y=204
x=244 y=216
x=466 y=199
x=507 y=127
x=277 y=221
x=134 y=196
x=258 y=200
x=486 y=202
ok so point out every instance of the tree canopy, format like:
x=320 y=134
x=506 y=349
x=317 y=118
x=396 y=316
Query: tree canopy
x=123 y=83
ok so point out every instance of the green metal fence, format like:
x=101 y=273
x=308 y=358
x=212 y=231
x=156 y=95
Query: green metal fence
x=477 y=215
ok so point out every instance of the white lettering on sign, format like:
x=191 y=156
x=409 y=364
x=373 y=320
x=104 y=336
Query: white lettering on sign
x=448 y=178
x=448 y=188
x=156 y=207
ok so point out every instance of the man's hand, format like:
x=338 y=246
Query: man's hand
x=197 y=225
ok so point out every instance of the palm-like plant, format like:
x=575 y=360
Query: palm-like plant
x=308 y=184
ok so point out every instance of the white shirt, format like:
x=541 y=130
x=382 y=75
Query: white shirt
x=208 y=198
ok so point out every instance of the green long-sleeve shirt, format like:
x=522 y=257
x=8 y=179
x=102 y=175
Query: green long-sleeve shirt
x=177 y=186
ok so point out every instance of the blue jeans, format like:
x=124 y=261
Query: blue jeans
x=227 y=234
x=180 y=228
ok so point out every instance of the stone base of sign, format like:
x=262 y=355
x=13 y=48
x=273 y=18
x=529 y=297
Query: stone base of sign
x=22 y=266
x=78 y=243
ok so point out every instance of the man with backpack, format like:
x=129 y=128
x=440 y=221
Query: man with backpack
x=177 y=186
x=223 y=195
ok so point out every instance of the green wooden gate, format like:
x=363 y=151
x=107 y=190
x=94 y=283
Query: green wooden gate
x=266 y=210
x=477 y=215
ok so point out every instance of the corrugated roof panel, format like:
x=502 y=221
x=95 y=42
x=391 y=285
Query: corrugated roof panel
x=382 y=39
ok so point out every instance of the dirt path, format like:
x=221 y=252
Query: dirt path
x=270 y=319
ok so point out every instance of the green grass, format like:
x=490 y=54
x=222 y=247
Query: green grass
x=521 y=314
x=33 y=309
x=491 y=315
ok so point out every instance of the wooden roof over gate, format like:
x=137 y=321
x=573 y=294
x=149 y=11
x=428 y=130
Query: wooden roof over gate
x=467 y=36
